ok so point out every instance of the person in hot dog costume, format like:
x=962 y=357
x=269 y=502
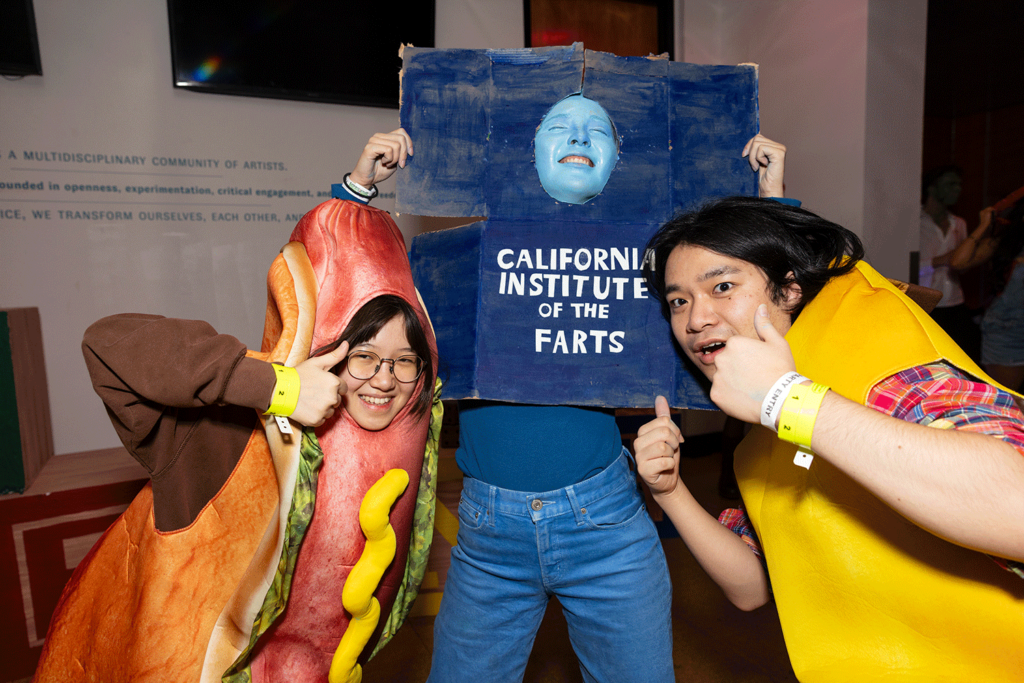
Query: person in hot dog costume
x=255 y=554
x=884 y=472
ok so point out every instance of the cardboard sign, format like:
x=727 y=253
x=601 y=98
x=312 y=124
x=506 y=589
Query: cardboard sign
x=544 y=303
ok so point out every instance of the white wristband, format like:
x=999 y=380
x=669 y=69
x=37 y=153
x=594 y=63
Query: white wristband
x=776 y=396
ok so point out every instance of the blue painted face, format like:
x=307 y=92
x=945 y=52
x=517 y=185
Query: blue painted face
x=575 y=150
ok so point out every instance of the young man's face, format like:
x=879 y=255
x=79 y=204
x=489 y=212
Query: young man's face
x=575 y=150
x=946 y=189
x=712 y=298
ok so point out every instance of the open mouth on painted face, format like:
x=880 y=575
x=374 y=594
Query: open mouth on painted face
x=708 y=349
x=576 y=159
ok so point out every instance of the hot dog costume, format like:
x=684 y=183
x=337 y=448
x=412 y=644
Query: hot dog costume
x=174 y=594
x=863 y=593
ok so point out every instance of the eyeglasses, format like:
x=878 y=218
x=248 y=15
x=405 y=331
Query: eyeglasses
x=365 y=365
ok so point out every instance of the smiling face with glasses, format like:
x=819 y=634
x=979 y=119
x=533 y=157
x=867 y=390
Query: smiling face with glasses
x=380 y=376
x=365 y=364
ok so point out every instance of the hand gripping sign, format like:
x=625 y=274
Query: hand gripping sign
x=575 y=158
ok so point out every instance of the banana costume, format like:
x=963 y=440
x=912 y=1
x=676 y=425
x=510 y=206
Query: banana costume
x=863 y=594
x=147 y=605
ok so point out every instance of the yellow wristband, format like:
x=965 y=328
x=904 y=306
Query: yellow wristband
x=286 y=391
x=799 y=412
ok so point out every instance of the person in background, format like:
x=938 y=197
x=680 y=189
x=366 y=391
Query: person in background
x=941 y=233
x=998 y=244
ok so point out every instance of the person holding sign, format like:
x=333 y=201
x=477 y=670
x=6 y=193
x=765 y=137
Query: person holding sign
x=885 y=470
x=550 y=505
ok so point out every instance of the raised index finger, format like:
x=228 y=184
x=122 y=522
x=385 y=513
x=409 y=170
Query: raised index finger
x=329 y=360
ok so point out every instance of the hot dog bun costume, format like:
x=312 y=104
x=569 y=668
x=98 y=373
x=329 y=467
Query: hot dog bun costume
x=249 y=585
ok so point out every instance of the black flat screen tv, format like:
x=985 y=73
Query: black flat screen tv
x=317 y=50
x=19 y=44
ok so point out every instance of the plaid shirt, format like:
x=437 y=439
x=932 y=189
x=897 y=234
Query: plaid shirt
x=937 y=395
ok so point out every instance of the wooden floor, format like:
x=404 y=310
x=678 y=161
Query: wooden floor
x=713 y=641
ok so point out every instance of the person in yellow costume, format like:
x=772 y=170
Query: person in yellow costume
x=883 y=481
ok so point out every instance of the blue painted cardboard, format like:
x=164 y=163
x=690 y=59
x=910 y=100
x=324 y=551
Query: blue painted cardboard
x=548 y=313
x=473 y=115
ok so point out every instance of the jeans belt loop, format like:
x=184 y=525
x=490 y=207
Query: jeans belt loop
x=574 y=503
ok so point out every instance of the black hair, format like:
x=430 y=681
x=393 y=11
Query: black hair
x=931 y=176
x=777 y=238
x=370 y=319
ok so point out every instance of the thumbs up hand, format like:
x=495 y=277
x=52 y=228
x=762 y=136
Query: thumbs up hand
x=320 y=390
x=747 y=369
x=656 y=449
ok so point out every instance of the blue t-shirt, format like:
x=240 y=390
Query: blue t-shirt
x=535 y=448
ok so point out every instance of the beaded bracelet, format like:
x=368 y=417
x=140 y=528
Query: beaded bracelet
x=799 y=412
x=286 y=391
x=357 y=189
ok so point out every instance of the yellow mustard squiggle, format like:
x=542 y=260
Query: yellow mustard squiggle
x=357 y=595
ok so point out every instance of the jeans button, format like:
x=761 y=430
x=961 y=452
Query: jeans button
x=536 y=504
x=583 y=511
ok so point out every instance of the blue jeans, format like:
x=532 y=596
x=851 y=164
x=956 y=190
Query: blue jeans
x=592 y=545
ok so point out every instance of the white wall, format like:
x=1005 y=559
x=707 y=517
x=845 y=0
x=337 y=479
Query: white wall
x=842 y=85
x=107 y=89
x=894 y=129
x=479 y=24
x=854 y=156
x=812 y=57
